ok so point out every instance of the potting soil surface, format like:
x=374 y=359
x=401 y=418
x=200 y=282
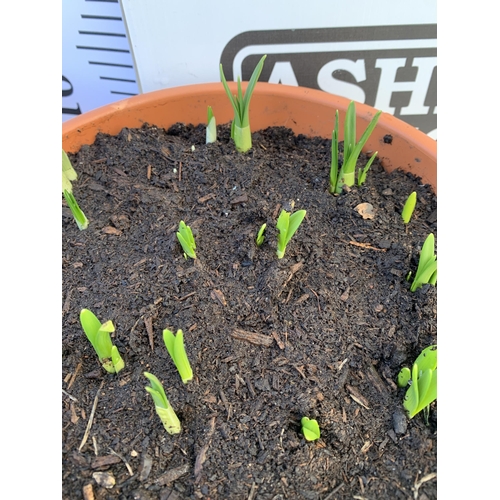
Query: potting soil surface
x=322 y=332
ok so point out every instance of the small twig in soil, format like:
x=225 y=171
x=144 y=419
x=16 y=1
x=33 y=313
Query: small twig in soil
x=337 y=488
x=78 y=367
x=91 y=418
x=317 y=298
x=149 y=328
x=130 y=471
x=70 y=396
x=417 y=485
x=253 y=492
x=364 y=245
x=180 y=299
x=253 y=338
x=357 y=396
x=202 y=455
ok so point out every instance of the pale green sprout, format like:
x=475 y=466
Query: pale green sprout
x=352 y=150
x=240 y=126
x=98 y=335
x=310 y=429
x=362 y=173
x=175 y=347
x=287 y=225
x=186 y=239
x=68 y=175
x=163 y=408
x=423 y=382
x=260 y=235
x=211 y=135
x=409 y=207
x=427 y=265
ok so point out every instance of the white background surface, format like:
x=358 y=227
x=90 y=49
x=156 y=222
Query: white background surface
x=175 y=43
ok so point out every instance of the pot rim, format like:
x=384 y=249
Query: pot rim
x=304 y=110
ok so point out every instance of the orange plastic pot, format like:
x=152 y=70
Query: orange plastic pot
x=305 y=111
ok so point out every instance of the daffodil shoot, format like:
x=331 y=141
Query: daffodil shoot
x=310 y=429
x=186 y=239
x=422 y=380
x=427 y=265
x=68 y=176
x=240 y=126
x=163 y=408
x=177 y=351
x=287 y=226
x=345 y=173
x=99 y=336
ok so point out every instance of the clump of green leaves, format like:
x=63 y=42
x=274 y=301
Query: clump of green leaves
x=352 y=150
x=427 y=265
x=163 y=408
x=423 y=382
x=177 y=351
x=68 y=176
x=260 y=235
x=409 y=207
x=310 y=429
x=211 y=135
x=240 y=126
x=186 y=239
x=98 y=335
x=287 y=225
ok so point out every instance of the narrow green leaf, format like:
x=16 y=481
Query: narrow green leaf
x=427 y=359
x=410 y=401
x=117 y=360
x=334 y=166
x=90 y=325
x=260 y=235
x=409 y=207
x=156 y=390
x=425 y=275
x=294 y=222
x=431 y=393
x=362 y=173
x=349 y=131
x=80 y=218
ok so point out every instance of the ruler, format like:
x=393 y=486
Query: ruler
x=98 y=66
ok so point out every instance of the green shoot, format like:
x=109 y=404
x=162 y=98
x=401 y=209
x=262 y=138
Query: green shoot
x=211 y=126
x=175 y=347
x=362 y=173
x=310 y=429
x=352 y=150
x=69 y=175
x=334 y=165
x=166 y=413
x=240 y=126
x=98 y=335
x=260 y=235
x=409 y=206
x=423 y=383
x=427 y=265
x=186 y=239
x=287 y=225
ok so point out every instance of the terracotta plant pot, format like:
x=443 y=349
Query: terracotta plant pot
x=328 y=335
x=305 y=111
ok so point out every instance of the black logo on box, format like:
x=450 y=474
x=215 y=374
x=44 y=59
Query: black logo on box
x=392 y=68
